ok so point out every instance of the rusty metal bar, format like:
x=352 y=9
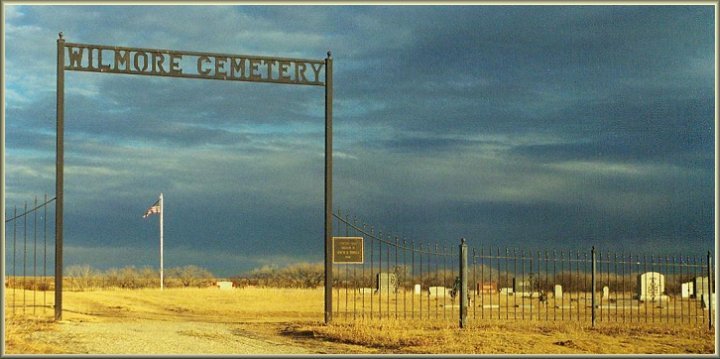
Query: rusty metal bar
x=379 y=282
x=363 y=275
x=404 y=281
x=592 y=278
x=387 y=260
x=59 y=174
x=34 y=282
x=328 y=185
x=197 y=77
x=45 y=253
x=421 y=277
x=428 y=278
x=347 y=234
x=397 y=274
x=24 y=281
x=372 y=268
x=14 y=253
x=710 y=290
x=463 y=283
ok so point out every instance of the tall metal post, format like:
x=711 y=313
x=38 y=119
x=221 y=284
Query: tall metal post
x=463 y=283
x=162 y=213
x=710 y=291
x=59 y=171
x=328 y=187
x=592 y=256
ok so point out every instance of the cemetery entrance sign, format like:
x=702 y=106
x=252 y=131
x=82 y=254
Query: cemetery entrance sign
x=195 y=65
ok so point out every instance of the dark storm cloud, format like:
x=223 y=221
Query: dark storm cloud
x=674 y=131
x=522 y=126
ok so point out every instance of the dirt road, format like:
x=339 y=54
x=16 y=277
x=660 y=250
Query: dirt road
x=173 y=337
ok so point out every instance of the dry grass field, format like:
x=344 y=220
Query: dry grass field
x=289 y=321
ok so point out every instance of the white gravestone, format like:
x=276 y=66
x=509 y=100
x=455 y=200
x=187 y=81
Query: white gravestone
x=686 y=289
x=417 y=289
x=650 y=286
x=224 y=285
x=521 y=286
x=606 y=292
x=438 y=292
x=365 y=290
x=386 y=282
x=701 y=286
x=558 y=291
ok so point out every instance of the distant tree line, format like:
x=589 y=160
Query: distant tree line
x=299 y=275
x=84 y=277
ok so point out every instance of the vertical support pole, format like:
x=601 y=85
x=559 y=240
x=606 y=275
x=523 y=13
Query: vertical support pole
x=710 y=291
x=162 y=213
x=463 y=283
x=328 y=187
x=592 y=257
x=59 y=172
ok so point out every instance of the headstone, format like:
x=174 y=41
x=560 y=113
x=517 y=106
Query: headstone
x=417 y=289
x=386 y=282
x=365 y=290
x=224 y=285
x=521 y=286
x=486 y=288
x=701 y=286
x=606 y=292
x=438 y=292
x=650 y=286
x=686 y=289
x=558 y=291
x=506 y=290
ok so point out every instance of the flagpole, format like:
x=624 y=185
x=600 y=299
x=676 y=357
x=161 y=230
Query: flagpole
x=162 y=213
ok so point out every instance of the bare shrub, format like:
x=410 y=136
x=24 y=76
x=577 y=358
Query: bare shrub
x=191 y=276
x=80 y=276
x=299 y=275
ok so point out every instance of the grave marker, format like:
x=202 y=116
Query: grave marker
x=686 y=289
x=521 y=286
x=701 y=286
x=486 y=288
x=365 y=290
x=650 y=286
x=438 y=292
x=386 y=282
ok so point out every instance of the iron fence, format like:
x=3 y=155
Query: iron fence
x=558 y=285
x=27 y=281
x=410 y=279
x=399 y=279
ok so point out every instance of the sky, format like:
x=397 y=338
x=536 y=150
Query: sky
x=530 y=127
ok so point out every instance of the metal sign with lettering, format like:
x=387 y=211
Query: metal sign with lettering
x=191 y=64
x=347 y=250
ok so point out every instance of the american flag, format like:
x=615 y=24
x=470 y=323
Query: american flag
x=155 y=208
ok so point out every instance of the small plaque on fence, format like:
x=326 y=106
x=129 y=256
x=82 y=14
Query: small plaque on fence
x=347 y=250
